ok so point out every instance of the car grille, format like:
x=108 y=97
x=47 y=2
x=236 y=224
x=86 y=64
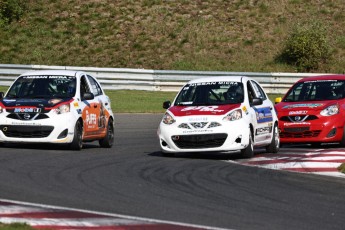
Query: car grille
x=27 y=131
x=298 y=118
x=200 y=141
x=27 y=116
x=300 y=132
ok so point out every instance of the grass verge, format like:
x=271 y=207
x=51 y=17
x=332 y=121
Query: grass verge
x=341 y=168
x=15 y=226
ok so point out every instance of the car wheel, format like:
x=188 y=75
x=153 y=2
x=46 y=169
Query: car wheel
x=108 y=140
x=77 y=143
x=275 y=143
x=248 y=152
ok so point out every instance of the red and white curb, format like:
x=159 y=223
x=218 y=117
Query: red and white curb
x=58 y=218
x=317 y=161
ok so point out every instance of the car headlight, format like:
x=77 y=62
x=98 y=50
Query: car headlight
x=330 y=110
x=168 y=119
x=233 y=116
x=65 y=108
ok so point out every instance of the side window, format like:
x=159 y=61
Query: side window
x=251 y=94
x=84 y=87
x=95 y=88
x=258 y=91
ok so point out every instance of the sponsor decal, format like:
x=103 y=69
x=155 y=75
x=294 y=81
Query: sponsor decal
x=198 y=131
x=263 y=114
x=46 y=77
x=197 y=119
x=297 y=123
x=203 y=109
x=302 y=112
x=25 y=123
x=9 y=100
x=263 y=130
x=214 y=83
x=27 y=110
x=244 y=108
x=309 y=105
x=76 y=105
x=91 y=118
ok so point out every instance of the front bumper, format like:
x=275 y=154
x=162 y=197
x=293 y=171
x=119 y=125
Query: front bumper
x=230 y=136
x=58 y=128
x=324 y=129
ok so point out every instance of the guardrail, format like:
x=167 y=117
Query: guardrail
x=155 y=80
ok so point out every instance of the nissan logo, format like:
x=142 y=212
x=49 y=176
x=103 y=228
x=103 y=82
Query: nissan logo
x=297 y=118
x=26 y=116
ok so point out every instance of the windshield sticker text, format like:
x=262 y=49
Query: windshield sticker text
x=203 y=109
x=309 y=105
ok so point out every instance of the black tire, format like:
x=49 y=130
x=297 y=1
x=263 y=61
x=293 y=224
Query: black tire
x=77 y=143
x=248 y=152
x=275 y=143
x=108 y=140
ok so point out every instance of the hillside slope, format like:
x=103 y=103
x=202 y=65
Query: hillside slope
x=217 y=35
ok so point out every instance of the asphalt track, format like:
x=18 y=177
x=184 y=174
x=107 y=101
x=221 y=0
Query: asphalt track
x=134 y=179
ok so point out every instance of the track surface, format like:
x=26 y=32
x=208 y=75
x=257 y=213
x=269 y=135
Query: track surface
x=134 y=179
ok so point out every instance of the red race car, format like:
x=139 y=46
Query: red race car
x=313 y=111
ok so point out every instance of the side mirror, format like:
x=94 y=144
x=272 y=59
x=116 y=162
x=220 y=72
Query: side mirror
x=166 y=104
x=1 y=95
x=257 y=101
x=87 y=96
x=277 y=100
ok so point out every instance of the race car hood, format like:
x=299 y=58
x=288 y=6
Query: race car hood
x=32 y=102
x=307 y=106
x=202 y=110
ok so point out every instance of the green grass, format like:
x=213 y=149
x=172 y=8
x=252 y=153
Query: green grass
x=133 y=101
x=210 y=35
x=341 y=168
x=15 y=226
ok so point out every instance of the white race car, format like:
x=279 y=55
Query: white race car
x=56 y=106
x=219 y=114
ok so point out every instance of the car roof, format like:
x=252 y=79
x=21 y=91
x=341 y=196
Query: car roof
x=324 y=77
x=51 y=72
x=218 y=78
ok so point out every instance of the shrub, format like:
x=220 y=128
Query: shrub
x=11 y=10
x=307 y=47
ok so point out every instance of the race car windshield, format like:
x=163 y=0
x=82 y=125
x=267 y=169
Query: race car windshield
x=211 y=93
x=316 y=91
x=43 y=87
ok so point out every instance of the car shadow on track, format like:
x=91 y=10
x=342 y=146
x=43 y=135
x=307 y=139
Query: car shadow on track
x=44 y=146
x=233 y=155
